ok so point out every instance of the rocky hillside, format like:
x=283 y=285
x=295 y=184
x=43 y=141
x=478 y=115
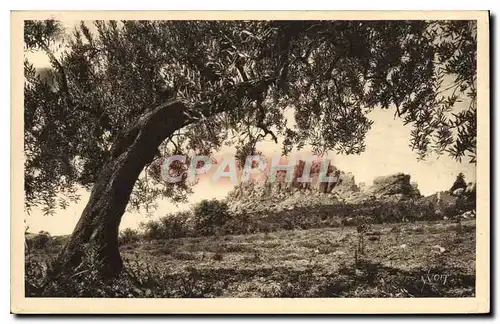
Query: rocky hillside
x=281 y=195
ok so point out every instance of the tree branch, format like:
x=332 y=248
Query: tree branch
x=101 y=116
x=60 y=69
x=262 y=126
x=154 y=126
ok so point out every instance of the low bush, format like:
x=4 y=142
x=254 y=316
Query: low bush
x=210 y=216
x=206 y=218
x=464 y=203
x=152 y=230
x=41 y=240
x=171 y=226
x=128 y=235
x=176 y=225
x=398 y=211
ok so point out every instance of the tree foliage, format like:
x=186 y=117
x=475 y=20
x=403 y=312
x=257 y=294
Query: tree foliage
x=238 y=80
x=210 y=216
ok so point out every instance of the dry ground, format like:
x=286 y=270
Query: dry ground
x=321 y=262
x=423 y=259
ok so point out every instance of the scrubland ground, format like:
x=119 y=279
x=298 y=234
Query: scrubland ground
x=421 y=259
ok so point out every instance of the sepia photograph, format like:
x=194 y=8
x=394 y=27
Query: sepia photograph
x=185 y=162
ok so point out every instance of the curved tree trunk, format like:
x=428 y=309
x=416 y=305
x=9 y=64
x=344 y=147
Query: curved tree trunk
x=95 y=237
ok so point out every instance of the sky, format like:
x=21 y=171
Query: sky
x=387 y=152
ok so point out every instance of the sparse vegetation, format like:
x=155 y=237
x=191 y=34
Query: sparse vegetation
x=39 y=241
x=128 y=236
x=299 y=263
x=212 y=217
x=206 y=252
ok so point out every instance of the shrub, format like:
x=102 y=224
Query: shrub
x=152 y=229
x=425 y=210
x=240 y=224
x=210 y=216
x=35 y=272
x=176 y=225
x=397 y=211
x=464 y=203
x=171 y=226
x=336 y=215
x=128 y=236
x=40 y=240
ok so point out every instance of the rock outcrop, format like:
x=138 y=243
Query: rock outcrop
x=471 y=188
x=397 y=186
x=280 y=194
x=285 y=195
x=458 y=192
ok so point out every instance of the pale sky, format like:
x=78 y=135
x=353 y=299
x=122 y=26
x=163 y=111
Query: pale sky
x=387 y=152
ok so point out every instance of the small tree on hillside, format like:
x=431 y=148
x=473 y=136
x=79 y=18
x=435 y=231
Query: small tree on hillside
x=459 y=183
x=210 y=216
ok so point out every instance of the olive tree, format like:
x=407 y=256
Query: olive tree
x=122 y=95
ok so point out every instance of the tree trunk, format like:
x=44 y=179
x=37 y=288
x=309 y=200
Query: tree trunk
x=95 y=237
